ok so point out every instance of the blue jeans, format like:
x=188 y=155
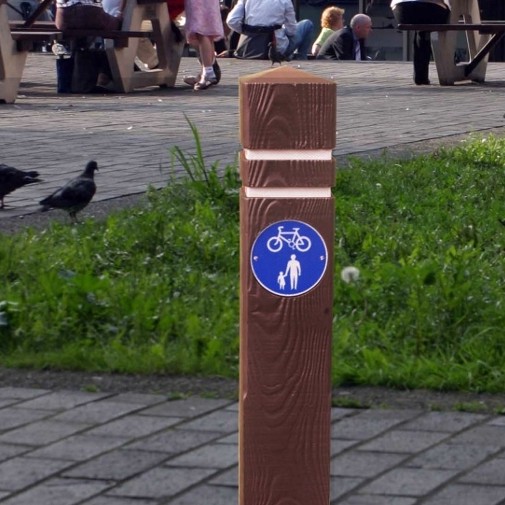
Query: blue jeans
x=301 y=40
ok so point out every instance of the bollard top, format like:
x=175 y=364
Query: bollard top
x=284 y=74
x=287 y=108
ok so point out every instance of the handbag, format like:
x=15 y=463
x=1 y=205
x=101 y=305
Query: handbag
x=254 y=40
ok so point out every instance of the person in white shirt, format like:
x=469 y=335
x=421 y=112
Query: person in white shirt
x=291 y=37
x=421 y=12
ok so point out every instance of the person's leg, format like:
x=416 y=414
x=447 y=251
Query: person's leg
x=302 y=40
x=422 y=55
x=211 y=73
x=421 y=13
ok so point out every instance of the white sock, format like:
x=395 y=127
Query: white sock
x=208 y=73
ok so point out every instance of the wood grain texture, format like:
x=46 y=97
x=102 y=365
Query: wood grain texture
x=286 y=108
x=291 y=173
x=285 y=379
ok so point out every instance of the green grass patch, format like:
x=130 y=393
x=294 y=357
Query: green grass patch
x=156 y=289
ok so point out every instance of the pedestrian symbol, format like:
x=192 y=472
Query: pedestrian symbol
x=289 y=258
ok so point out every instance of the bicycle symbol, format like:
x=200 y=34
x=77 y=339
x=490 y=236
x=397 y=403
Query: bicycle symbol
x=292 y=238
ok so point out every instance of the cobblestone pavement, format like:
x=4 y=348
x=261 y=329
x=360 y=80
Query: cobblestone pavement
x=75 y=447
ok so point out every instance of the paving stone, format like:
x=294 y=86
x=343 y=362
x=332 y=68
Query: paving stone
x=15 y=417
x=139 y=398
x=174 y=441
x=209 y=456
x=339 y=446
x=116 y=465
x=208 y=494
x=62 y=400
x=339 y=486
x=8 y=451
x=22 y=472
x=135 y=426
x=491 y=472
x=228 y=478
x=408 y=482
x=368 y=424
x=42 y=432
x=79 y=448
x=22 y=393
x=111 y=500
x=444 y=421
x=229 y=439
x=468 y=495
x=481 y=435
x=453 y=456
x=161 y=482
x=404 y=441
x=97 y=412
x=377 y=500
x=193 y=406
x=59 y=492
x=363 y=464
x=222 y=420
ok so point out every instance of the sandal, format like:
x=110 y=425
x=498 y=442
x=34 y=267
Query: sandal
x=199 y=86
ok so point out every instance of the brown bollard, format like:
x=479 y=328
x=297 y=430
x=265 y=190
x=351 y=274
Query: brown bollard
x=287 y=130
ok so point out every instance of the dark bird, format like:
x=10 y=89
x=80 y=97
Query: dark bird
x=274 y=55
x=11 y=179
x=75 y=194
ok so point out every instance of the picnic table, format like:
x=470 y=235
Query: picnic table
x=120 y=46
x=481 y=38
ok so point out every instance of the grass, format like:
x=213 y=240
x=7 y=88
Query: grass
x=156 y=290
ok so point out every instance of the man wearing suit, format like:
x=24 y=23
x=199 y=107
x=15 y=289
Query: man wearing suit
x=349 y=42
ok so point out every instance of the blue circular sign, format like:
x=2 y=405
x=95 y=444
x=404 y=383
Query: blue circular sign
x=289 y=258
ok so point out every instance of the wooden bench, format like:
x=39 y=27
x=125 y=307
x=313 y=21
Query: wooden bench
x=496 y=30
x=120 y=46
x=481 y=38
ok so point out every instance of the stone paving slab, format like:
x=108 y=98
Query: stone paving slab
x=187 y=452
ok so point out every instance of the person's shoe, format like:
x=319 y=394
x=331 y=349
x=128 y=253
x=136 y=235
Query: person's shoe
x=422 y=82
x=191 y=80
x=201 y=85
x=217 y=71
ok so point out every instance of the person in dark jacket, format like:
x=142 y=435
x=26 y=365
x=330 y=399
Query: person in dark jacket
x=421 y=12
x=349 y=42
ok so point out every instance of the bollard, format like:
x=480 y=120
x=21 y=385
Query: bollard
x=287 y=132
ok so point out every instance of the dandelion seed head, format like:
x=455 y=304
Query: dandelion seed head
x=349 y=274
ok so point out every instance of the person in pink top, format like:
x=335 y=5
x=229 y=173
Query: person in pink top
x=203 y=27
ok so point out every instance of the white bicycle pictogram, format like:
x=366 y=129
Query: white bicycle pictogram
x=292 y=238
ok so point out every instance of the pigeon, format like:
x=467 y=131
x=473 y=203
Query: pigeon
x=274 y=55
x=12 y=178
x=75 y=194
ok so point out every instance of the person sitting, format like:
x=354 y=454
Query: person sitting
x=348 y=43
x=292 y=39
x=421 y=12
x=84 y=14
x=332 y=19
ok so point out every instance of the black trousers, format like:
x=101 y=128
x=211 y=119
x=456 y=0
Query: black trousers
x=421 y=13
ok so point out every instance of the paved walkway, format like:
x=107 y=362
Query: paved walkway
x=75 y=447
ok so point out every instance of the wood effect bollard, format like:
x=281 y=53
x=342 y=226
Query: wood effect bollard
x=287 y=131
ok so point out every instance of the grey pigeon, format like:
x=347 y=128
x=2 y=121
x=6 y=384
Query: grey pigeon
x=12 y=178
x=75 y=194
x=273 y=55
